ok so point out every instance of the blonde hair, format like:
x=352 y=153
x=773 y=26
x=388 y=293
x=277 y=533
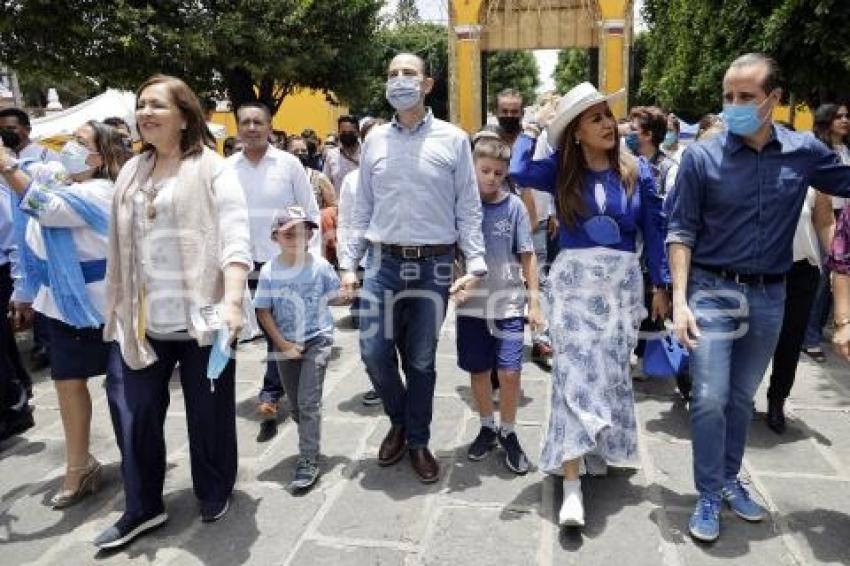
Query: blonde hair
x=487 y=147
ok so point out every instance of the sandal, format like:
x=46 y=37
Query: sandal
x=88 y=484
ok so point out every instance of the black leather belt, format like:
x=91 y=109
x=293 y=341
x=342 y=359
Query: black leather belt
x=743 y=278
x=417 y=252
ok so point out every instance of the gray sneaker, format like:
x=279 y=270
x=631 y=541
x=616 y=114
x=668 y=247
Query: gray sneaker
x=306 y=475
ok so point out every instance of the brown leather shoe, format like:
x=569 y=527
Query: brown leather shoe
x=392 y=447
x=424 y=464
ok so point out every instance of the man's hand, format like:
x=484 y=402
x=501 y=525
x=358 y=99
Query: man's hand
x=660 y=304
x=685 y=325
x=348 y=285
x=841 y=341
x=22 y=315
x=460 y=289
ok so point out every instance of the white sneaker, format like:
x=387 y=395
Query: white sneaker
x=572 y=509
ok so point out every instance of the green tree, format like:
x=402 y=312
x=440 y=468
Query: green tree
x=690 y=44
x=250 y=49
x=573 y=67
x=512 y=69
x=429 y=41
x=406 y=13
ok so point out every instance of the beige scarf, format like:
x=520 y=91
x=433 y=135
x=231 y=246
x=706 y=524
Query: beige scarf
x=197 y=242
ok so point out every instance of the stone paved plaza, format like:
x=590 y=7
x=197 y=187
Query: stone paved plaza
x=479 y=513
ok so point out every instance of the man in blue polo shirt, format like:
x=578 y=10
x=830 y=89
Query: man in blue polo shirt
x=737 y=201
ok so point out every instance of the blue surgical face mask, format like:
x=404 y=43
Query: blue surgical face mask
x=633 y=142
x=74 y=157
x=743 y=119
x=670 y=139
x=403 y=93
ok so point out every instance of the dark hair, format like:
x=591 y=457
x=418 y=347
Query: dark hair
x=573 y=168
x=824 y=117
x=109 y=143
x=348 y=119
x=229 y=143
x=210 y=105
x=255 y=104
x=116 y=122
x=651 y=119
x=771 y=79
x=23 y=117
x=677 y=125
x=196 y=135
x=508 y=93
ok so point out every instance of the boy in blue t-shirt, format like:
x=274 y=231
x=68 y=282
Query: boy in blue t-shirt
x=490 y=321
x=294 y=294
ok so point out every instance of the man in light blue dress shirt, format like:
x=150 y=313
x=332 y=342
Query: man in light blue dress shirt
x=737 y=200
x=417 y=201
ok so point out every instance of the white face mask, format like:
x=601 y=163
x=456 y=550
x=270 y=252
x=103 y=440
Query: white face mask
x=74 y=157
x=403 y=93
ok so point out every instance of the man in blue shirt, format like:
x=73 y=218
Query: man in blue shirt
x=417 y=199
x=737 y=201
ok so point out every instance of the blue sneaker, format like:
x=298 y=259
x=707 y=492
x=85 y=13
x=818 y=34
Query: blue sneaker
x=741 y=503
x=705 y=522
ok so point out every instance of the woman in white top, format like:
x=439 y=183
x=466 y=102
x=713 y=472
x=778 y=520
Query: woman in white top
x=62 y=221
x=814 y=233
x=179 y=253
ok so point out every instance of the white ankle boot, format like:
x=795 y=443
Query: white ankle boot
x=572 y=508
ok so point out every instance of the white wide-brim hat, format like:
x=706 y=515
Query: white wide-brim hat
x=571 y=105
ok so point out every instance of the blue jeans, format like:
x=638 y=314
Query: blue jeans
x=402 y=307
x=740 y=327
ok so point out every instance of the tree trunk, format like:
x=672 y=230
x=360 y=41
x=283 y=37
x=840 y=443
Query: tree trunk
x=241 y=88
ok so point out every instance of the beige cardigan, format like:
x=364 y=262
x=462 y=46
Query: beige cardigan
x=214 y=232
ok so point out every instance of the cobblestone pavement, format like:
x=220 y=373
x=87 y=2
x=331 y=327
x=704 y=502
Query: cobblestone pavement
x=479 y=513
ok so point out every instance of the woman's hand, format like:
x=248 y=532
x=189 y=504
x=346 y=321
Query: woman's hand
x=841 y=341
x=233 y=320
x=546 y=113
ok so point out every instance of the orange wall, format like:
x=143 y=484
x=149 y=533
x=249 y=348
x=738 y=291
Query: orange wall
x=303 y=109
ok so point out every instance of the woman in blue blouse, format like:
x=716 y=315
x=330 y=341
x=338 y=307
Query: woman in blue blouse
x=604 y=196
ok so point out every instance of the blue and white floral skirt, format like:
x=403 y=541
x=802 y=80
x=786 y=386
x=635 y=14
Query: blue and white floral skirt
x=596 y=301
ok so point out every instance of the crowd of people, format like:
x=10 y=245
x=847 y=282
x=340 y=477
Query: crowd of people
x=602 y=236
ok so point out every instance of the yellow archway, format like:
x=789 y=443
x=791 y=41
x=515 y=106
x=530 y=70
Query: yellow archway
x=490 y=25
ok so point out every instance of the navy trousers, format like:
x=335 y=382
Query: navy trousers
x=138 y=401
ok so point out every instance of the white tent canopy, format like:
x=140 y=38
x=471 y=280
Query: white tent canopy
x=112 y=103
x=121 y=104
